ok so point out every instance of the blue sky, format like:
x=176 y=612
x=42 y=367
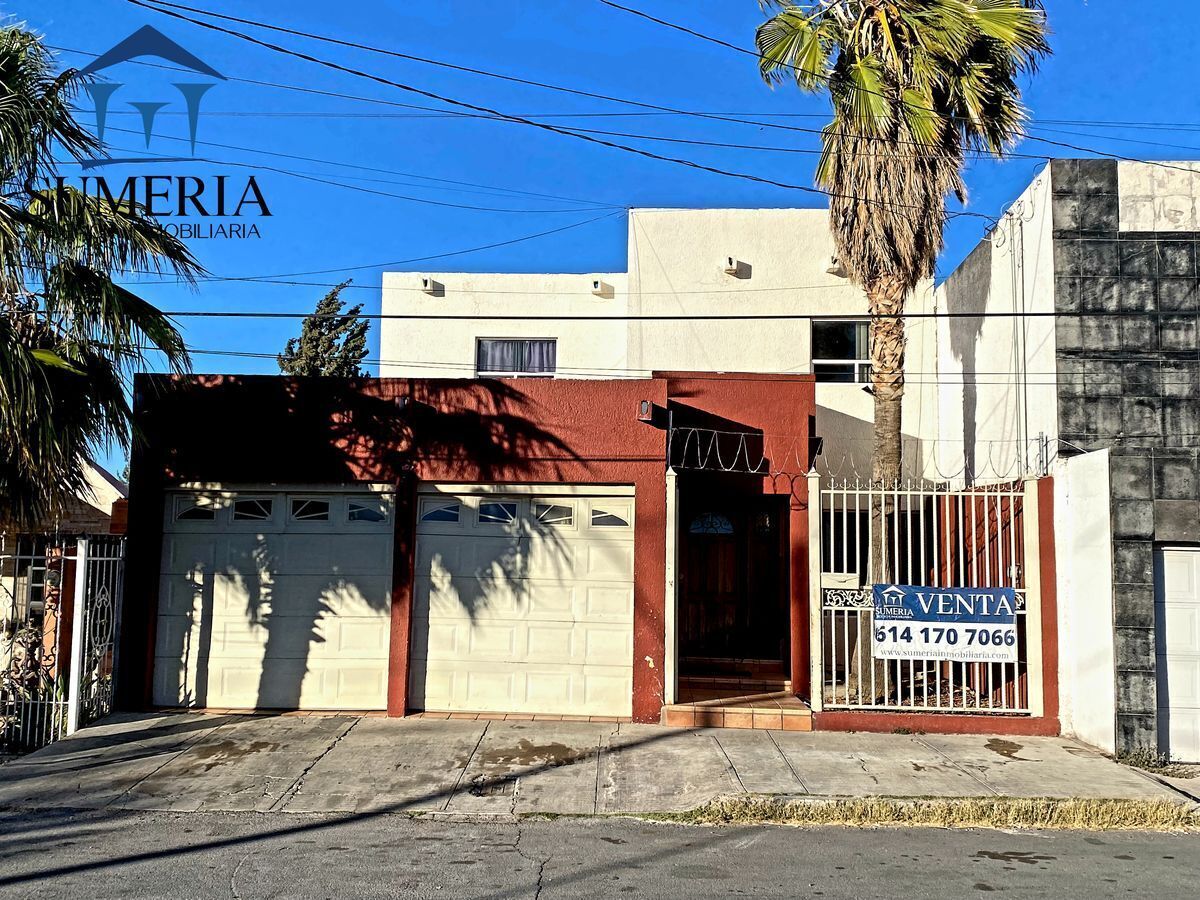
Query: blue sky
x=1095 y=75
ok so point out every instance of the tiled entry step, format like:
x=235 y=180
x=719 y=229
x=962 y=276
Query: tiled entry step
x=714 y=705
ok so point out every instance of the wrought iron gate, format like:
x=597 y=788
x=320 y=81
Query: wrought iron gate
x=59 y=622
x=923 y=535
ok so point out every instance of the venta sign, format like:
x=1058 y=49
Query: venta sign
x=956 y=624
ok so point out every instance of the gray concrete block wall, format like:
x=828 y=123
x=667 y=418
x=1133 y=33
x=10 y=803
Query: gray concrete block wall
x=1131 y=384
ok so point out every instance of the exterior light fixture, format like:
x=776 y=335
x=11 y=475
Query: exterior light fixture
x=836 y=268
x=733 y=266
x=431 y=287
x=601 y=288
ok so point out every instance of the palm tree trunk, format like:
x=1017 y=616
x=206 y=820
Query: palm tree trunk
x=885 y=302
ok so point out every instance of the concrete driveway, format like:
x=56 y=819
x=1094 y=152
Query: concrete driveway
x=308 y=764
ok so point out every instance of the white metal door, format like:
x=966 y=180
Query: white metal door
x=275 y=600
x=523 y=604
x=1177 y=602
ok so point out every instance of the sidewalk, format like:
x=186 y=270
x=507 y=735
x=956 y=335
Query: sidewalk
x=298 y=764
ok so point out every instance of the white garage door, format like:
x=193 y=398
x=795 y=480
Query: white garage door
x=523 y=604
x=275 y=600
x=1177 y=582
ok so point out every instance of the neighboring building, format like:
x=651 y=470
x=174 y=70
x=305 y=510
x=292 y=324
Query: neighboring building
x=770 y=266
x=100 y=509
x=1105 y=375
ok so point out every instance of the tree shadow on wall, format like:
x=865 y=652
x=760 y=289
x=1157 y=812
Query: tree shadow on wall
x=968 y=292
x=333 y=432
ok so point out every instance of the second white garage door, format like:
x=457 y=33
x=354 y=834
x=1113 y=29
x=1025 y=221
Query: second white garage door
x=1177 y=608
x=523 y=604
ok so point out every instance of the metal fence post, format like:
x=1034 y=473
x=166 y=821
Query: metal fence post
x=816 y=608
x=78 y=631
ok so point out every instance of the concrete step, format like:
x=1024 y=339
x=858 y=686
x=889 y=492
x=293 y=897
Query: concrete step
x=778 y=712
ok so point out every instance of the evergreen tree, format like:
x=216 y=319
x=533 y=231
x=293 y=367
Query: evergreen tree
x=331 y=342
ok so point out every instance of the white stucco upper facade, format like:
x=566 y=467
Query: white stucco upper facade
x=714 y=290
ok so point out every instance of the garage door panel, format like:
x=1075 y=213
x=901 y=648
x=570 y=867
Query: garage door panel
x=605 y=689
x=175 y=636
x=609 y=602
x=450 y=554
x=277 y=613
x=190 y=553
x=511 y=623
x=305 y=554
x=1183 y=635
x=503 y=687
x=1183 y=680
x=180 y=594
x=276 y=637
x=465 y=597
x=1178 y=651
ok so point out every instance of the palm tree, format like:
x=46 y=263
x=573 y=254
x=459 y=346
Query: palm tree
x=70 y=336
x=915 y=85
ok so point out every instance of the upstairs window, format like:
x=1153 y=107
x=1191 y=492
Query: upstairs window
x=516 y=357
x=841 y=351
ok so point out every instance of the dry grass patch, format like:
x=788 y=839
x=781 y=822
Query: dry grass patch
x=982 y=812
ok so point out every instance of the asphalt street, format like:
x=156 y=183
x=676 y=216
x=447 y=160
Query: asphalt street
x=103 y=854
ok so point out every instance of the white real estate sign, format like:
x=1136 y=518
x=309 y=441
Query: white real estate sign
x=956 y=624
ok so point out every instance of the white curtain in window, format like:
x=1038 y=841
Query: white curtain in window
x=541 y=356
x=499 y=356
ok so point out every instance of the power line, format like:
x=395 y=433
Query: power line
x=365 y=190
x=857 y=88
x=509 y=117
x=272 y=279
x=729 y=374
x=691 y=317
x=431 y=112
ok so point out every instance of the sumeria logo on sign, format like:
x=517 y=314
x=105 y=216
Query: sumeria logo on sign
x=194 y=198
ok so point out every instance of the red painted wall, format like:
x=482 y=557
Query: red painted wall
x=265 y=429
x=783 y=408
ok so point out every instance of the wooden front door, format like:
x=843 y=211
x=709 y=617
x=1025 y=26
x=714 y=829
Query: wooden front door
x=733 y=580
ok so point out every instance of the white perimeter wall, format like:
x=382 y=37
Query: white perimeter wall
x=997 y=373
x=1083 y=562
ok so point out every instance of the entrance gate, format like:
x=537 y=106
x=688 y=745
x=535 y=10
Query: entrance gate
x=59 y=623
x=932 y=536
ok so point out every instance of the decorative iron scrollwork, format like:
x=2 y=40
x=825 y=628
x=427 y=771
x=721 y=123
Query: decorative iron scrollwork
x=847 y=598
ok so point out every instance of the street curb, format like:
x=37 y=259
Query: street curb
x=1032 y=813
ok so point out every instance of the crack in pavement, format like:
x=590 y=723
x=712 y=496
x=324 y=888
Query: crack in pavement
x=233 y=891
x=540 y=863
x=787 y=762
x=453 y=792
x=729 y=766
x=287 y=796
x=955 y=765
